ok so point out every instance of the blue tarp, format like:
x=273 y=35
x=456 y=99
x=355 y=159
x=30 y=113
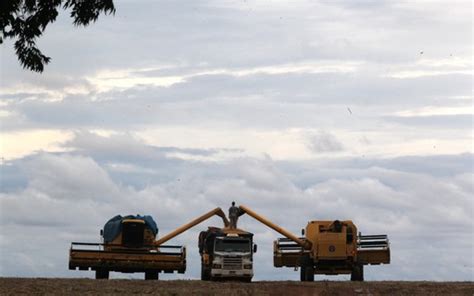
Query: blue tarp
x=113 y=227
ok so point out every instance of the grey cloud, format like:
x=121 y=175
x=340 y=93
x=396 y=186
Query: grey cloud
x=292 y=100
x=12 y=177
x=79 y=177
x=324 y=142
x=218 y=35
x=128 y=159
x=125 y=146
x=459 y=121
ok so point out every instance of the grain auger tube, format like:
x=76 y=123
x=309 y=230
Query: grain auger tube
x=303 y=243
x=179 y=230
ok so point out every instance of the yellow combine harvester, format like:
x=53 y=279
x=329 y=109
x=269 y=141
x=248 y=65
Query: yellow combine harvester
x=130 y=246
x=329 y=247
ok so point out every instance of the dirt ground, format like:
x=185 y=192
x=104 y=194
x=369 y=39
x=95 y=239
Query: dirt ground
x=50 y=286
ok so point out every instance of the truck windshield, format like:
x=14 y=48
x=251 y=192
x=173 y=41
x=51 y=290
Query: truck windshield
x=232 y=245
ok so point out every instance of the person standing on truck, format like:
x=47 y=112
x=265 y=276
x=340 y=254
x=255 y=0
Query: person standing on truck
x=234 y=214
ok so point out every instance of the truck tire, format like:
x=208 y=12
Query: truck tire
x=101 y=274
x=151 y=275
x=205 y=273
x=357 y=274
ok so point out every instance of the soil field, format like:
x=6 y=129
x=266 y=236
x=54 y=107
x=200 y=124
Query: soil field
x=51 y=286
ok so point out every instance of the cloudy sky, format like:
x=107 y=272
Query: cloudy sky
x=355 y=110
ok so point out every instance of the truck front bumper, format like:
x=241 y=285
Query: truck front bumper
x=229 y=274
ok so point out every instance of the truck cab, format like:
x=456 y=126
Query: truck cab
x=227 y=254
x=233 y=258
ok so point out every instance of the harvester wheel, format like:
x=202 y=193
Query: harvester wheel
x=101 y=274
x=307 y=269
x=151 y=275
x=357 y=274
x=309 y=273
x=303 y=273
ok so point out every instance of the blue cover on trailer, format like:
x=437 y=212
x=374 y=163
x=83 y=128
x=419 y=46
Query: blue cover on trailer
x=113 y=227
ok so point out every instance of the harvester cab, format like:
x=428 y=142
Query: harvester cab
x=334 y=239
x=129 y=232
x=133 y=233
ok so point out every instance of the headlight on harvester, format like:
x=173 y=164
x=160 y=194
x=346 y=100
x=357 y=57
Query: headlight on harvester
x=247 y=266
x=218 y=266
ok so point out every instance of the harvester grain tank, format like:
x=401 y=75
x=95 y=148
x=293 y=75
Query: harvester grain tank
x=328 y=247
x=226 y=254
x=130 y=245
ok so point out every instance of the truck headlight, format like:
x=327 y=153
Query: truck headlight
x=217 y=266
x=247 y=266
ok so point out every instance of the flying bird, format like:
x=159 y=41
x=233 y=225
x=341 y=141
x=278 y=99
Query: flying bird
x=349 y=109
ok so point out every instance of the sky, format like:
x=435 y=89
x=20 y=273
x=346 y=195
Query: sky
x=314 y=110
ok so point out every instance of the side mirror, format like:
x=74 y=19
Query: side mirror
x=255 y=248
x=302 y=231
x=101 y=232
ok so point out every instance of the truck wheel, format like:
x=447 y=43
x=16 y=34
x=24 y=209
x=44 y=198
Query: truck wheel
x=357 y=274
x=205 y=274
x=151 y=275
x=101 y=274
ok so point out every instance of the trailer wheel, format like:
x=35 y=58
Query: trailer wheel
x=101 y=274
x=357 y=274
x=151 y=275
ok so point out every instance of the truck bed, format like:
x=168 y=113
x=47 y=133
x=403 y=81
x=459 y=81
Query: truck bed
x=85 y=256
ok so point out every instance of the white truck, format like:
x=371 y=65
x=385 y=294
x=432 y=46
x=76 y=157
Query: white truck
x=226 y=254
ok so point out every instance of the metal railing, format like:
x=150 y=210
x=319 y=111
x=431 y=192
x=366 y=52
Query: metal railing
x=380 y=241
x=151 y=249
x=286 y=245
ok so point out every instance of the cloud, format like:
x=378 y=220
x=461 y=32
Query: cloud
x=324 y=142
x=124 y=79
x=459 y=121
